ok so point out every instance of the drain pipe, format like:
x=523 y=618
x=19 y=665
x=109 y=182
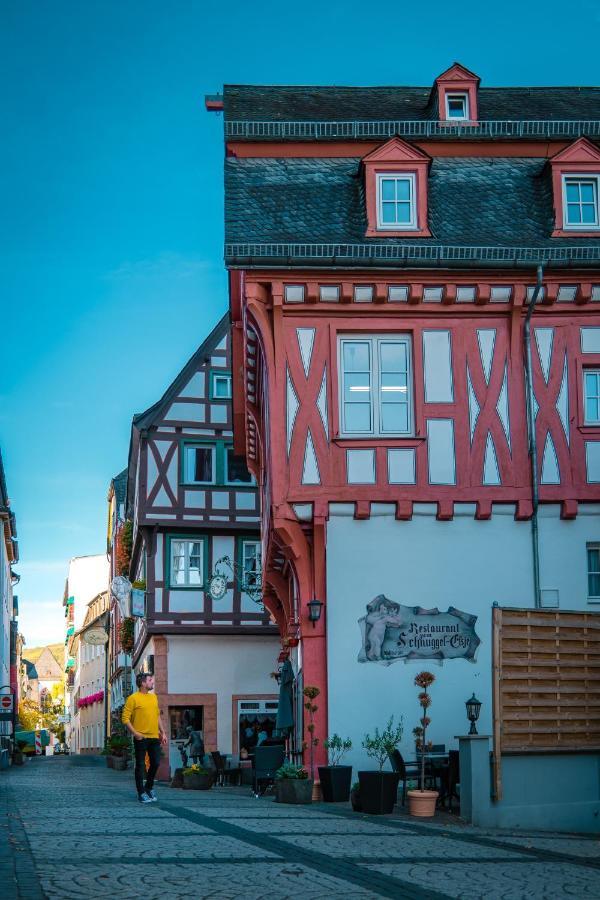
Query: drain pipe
x=533 y=452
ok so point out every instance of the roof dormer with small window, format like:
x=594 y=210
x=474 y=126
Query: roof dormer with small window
x=457 y=95
x=396 y=190
x=576 y=190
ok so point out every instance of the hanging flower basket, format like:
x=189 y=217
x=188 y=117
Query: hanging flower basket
x=126 y=635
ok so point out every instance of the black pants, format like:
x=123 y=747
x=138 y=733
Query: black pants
x=151 y=746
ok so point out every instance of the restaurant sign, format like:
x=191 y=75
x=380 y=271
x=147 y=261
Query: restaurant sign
x=391 y=632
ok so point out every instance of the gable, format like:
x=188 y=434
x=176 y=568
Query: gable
x=581 y=151
x=456 y=72
x=397 y=151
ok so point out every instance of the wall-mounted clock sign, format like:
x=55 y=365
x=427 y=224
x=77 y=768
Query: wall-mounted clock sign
x=217 y=587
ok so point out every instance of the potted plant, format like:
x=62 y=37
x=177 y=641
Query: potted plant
x=197 y=778
x=117 y=752
x=378 y=790
x=311 y=694
x=292 y=784
x=335 y=778
x=422 y=802
x=126 y=634
x=355 y=797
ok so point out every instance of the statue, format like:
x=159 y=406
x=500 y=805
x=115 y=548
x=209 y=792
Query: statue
x=381 y=612
x=195 y=742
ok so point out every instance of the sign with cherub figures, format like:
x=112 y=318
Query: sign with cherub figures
x=392 y=632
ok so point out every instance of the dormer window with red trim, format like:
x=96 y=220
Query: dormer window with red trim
x=457 y=95
x=576 y=189
x=396 y=190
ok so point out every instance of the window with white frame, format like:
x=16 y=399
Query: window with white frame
x=375 y=388
x=457 y=106
x=591 y=396
x=396 y=201
x=187 y=563
x=580 y=202
x=221 y=386
x=251 y=565
x=199 y=464
x=593 y=571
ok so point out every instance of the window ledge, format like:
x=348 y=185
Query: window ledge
x=388 y=232
x=351 y=442
x=575 y=233
x=592 y=430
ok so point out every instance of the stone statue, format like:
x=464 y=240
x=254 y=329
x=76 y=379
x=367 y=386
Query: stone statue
x=195 y=742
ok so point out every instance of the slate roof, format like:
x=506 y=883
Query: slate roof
x=473 y=201
x=271 y=103
x=120 y=486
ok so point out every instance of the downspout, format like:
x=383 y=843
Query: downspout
x=533 y=452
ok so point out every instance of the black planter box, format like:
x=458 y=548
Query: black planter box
x=378 y=792
x=335 y=783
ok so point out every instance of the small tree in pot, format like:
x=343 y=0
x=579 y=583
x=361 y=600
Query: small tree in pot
x=378 y=790
x=292 y=784
x=422 y=802
x=335 y=778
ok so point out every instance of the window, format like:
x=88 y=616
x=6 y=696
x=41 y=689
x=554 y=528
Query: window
x=398 y=293
x=395 y=201
x=593 y=571
x=199 y=464
x=236 y=472
x=567 y=293
x=580 y=202
x=329 y=293
x=591 y=396
x=363 y=293
x=375 y=376
x=457 y=106
x=220 y=386
x=432 y=294
x=294 y=293
x=500 y=293
x=187 y=563
x=465 y=294
x=251 y=565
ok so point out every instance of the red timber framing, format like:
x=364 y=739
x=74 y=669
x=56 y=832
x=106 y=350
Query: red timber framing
x=288 y=353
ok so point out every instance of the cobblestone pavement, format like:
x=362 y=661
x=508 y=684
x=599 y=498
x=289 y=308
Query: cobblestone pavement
x=70 y=828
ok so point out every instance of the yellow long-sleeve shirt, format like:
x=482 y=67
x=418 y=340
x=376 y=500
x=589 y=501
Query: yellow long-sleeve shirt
x=142 y=711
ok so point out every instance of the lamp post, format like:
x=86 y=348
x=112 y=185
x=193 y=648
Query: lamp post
x=314 y=611
x=473 y=707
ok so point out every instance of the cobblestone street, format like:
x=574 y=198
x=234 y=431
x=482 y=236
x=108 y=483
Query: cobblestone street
x=73 y=829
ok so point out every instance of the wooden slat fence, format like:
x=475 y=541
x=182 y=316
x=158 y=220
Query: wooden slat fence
x=546 y=682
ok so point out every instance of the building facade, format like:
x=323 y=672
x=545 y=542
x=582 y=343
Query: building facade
x=87 y=579
x=119 y=665
x=391 y=251
x=9 y=555
x=202 y=629
x=88 y=725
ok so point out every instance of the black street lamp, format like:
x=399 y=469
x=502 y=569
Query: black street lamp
x=473 y=707
x=314 y=611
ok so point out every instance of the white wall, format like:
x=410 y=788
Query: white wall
x=222 y=665
x=464 y=563
x=6 y=603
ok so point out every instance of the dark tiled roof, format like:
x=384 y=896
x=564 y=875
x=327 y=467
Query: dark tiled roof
x=472 y=201
x=269 y=103
x=120 y=486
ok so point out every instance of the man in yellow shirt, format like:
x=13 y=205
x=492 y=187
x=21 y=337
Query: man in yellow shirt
x=141 y=716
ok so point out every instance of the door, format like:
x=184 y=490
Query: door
x=182 y=720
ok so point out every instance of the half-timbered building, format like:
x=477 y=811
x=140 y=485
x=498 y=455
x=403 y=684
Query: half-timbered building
x=204 y=632
x=390 y=251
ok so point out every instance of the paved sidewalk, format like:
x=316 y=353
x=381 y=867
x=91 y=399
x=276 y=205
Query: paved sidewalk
x=73 y=829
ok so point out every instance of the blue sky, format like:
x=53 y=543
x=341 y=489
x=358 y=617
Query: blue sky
x=111 y=227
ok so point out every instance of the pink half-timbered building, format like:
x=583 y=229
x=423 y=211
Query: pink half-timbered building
x=195 y=513
x=384 y=248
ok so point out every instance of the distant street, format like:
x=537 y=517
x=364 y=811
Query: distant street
x=75 y=830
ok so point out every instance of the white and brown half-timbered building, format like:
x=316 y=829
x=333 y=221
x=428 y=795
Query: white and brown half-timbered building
x=195 y=513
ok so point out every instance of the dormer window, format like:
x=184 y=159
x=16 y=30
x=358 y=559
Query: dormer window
x=396 y=190
x=580 y=202
x=576 y=190
x=395 y=201
x=457 y=106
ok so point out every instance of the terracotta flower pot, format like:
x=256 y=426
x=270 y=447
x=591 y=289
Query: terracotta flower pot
x=422 y=803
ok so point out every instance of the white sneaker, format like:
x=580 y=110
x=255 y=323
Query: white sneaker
x=152 y=796
x=144 y=798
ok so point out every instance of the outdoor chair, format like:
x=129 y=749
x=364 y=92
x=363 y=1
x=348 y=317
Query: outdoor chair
x=266 y=762
x=453 y=776
x=404 y=771
x=225 y=774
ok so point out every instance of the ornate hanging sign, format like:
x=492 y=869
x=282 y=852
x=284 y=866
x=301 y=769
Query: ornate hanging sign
x=392 y=632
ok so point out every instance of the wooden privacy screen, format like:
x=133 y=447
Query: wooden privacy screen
x=546 y=680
